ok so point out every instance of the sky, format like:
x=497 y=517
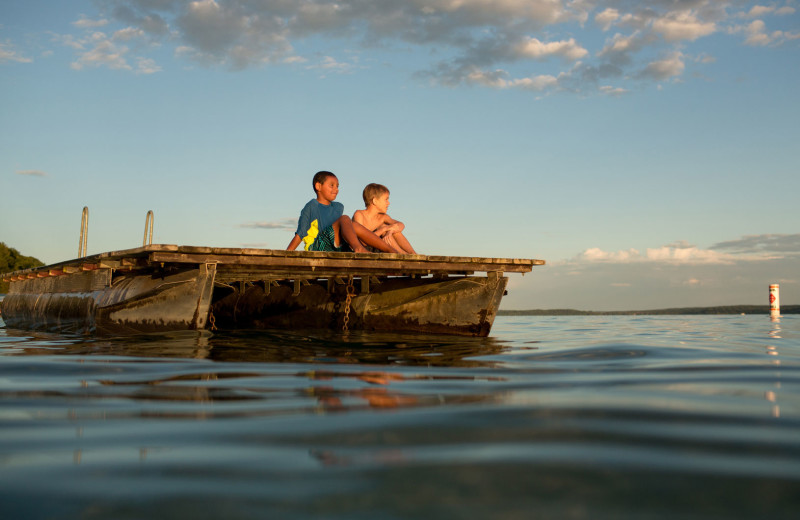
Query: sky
x=646 y=150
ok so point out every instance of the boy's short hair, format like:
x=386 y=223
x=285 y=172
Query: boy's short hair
x=321 y=177
x=373 y=191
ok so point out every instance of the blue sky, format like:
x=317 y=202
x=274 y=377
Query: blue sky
x=646 y=150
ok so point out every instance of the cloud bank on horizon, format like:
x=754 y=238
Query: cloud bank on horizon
x=751 y=248
x=581 y=46
x=675 y=275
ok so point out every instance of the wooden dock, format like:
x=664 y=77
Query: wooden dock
x=169 y=287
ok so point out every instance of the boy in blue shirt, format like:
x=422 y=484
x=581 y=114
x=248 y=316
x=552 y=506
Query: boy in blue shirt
x=322 y=224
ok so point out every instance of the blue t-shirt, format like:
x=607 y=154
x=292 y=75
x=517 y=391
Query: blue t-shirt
x=314 y=218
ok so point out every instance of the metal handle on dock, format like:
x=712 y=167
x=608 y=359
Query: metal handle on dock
x=148 y=220
x=84 y=232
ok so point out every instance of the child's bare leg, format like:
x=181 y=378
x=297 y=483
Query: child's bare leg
x=371 y=239
x=389 y=239
x=403 y=244
x=343 y=228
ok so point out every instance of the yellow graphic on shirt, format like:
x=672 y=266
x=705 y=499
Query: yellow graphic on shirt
x=311 y=235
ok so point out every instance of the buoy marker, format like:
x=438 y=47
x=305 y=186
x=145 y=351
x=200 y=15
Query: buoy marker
x=774 y=300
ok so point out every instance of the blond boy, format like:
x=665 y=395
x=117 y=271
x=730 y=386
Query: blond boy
x=375 y=219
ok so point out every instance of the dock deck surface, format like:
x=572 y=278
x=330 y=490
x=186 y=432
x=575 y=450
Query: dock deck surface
x=241 y=263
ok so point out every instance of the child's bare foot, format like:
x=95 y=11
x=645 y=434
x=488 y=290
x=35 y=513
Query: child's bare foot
x=360 y=249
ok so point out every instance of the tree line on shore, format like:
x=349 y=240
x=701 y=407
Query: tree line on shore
x=13 y=260
x=726 y=309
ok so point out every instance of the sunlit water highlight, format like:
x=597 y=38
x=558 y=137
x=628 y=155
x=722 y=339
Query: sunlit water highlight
x=551 y=417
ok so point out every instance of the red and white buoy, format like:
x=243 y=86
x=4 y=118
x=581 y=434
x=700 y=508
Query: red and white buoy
x=774 y=300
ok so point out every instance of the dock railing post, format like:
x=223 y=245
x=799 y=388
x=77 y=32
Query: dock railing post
x=148 y=220
x=84 y=232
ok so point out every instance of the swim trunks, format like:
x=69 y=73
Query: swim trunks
x=326 y=241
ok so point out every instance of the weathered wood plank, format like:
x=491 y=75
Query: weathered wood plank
x=274 y=259
x=345 y=264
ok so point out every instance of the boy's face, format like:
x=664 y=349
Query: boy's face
x=381 y=202
x=327 y=190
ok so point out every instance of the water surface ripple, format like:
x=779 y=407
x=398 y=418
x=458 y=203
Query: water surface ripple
x=550 y=417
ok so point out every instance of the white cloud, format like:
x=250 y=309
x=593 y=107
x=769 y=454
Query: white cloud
x=652 y=285
x=8 y=53
x=97 y=49
x=146 y=66
x=535 y=49
x=499 y=79
x=606 y=18
x=705 y=58
x=491 y=43
x=127 y=34
x=289 y=224
x=757 y=11
x=295 y=59
x=87 y=23
x=330 y=64
x=758 y=35
x=679 y=274
x=103 y=52
x=682 y=26
x=482 y=11
x=637 y=21
x=613 y=91
x=537 y=83
x=664 y=69
x=753 y=248
x=687 y=255
x=623 y=43
x=595 y=254
x=760 y=11
x=233 y=34
x=32 y=173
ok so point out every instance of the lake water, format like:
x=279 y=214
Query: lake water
x=550 y=417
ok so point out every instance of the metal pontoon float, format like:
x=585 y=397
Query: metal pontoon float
x=168 y=287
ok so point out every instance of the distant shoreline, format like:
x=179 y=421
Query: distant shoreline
x=730 y=309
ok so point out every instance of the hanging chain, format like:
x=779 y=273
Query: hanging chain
x=351 y=291
x=212 y=320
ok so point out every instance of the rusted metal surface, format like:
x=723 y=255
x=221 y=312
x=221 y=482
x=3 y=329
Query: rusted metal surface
x=462 y=305
x=168 y=287
x=160 y=300
x=175 y=301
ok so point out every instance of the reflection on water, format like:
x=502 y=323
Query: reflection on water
x=272 y=347
x=555 y=417
x=269 y=357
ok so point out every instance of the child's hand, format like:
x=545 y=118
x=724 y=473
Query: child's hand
x=383 y=229
x=397 y=227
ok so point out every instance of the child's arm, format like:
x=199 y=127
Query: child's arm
x=294 y=243
x=389 y=226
